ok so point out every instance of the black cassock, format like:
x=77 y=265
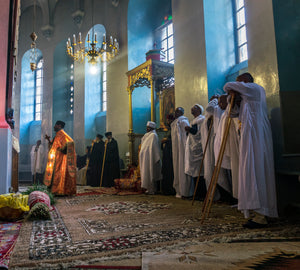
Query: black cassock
x=167 y=167
x=111 y=164
x=93 y=174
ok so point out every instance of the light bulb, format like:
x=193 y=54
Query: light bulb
x=93 y=69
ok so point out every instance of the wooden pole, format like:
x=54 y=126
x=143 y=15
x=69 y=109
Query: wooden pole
x=88 y=159
x=152 y=84
x=106 y=142
x=214 y=180
x=130 y=132
x=34 y=171
x=202 y=161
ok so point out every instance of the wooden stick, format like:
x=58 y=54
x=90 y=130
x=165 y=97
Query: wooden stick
x=88 y=159
x=106 y=142
x=214 y=180
x=217 y=171
x=35 y=160
x=202 y=161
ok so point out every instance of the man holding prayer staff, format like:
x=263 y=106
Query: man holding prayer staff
x=256 y=189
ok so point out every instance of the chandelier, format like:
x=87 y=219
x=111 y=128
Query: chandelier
x=78 y=51
x=33 y=36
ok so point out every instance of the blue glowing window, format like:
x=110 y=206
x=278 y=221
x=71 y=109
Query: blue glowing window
x=241 y=30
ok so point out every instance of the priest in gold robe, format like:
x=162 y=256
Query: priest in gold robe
x=60 y=174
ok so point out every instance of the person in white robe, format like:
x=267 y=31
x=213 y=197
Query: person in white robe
x=208 y=138
x=213 y=113
x=178 y=134
x=193 y=149
x=37 y=156
x=228 y=169
x=257 y=189
x=149 y=159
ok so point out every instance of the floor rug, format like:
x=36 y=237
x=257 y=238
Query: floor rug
x=237 y=256
x=105 y=267
x=8 y=235
x=97 y=190
x=99 y=230
x=109 y=191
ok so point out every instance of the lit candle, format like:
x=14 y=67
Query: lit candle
x=79 y=37
x=69 y=40
x=104 y=38
x=74 y=39
x=111 y=40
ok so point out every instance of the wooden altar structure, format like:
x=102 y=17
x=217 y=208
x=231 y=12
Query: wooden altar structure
x=156 y=75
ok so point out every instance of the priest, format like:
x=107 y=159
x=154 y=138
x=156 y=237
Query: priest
x=257 y=190
x=149 y=159
x=37 y=162
x=95 y=163
x=60 y=174
x=111 y=170
x=193 y=149
x=178 y=134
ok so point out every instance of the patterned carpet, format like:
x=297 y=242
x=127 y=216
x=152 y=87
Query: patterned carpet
x=102 y=229
x=8 y=235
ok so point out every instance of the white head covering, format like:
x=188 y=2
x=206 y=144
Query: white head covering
x=200 y=107
x=151 y=124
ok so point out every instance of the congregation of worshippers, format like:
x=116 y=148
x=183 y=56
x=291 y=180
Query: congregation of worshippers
x=232 y=133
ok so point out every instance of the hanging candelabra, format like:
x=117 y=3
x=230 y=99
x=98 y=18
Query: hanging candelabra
x=106 y=51
x=78 y=51
x=33 y=36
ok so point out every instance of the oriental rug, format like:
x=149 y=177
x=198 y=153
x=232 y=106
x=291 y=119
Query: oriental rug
x=212 y=256
x=106 y=191
x=103 y=230
x=8 y=235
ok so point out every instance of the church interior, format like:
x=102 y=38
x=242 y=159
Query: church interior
x=114 y=65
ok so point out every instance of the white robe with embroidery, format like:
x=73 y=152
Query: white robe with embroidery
x=256 y=166
x=37 y=159
x=193 y=149
x=149 y=160
x=178 y=134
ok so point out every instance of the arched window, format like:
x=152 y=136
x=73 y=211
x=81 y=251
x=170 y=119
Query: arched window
x=31 y=99
x=104 y=89
x=95 y=89
x=241 y=31
x=38 y=91
x=167 y=39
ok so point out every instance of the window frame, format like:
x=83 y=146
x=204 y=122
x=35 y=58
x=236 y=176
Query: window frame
x=168 y=36
x=238 y=28
x=104 y=84
x=36 y=78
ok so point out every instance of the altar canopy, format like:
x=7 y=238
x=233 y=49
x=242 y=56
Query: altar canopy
x=156 y=75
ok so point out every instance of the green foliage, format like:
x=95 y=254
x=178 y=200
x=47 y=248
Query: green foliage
x=43 y=188
x=39 y=211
